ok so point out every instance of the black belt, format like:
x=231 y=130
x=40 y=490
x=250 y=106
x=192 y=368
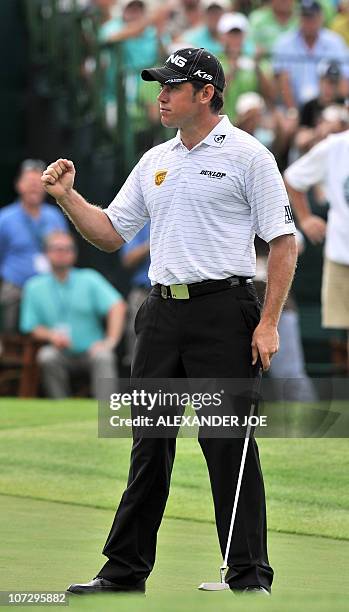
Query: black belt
x=185 y=292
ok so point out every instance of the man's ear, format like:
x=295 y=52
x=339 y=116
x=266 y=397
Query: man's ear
x=207 y=93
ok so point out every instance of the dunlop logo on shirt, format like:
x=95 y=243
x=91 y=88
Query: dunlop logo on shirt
x=213 y=174
x=160 y=176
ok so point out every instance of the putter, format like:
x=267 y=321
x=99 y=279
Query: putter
x=222 y=585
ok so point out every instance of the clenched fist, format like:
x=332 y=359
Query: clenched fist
x=58 y=178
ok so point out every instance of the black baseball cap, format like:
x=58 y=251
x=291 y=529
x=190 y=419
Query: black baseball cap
x=309 y=8
x=188 y=65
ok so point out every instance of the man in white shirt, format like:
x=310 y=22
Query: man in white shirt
x=327 y=162
x=207 y=192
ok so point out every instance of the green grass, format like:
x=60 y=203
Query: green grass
x=59 y=485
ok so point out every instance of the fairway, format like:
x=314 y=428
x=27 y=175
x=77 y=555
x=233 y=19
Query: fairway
x=59 y=485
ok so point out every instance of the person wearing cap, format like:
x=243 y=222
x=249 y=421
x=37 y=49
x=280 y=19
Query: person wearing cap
x=206 y=192
x=23 y=227
x=243 y=74
x=332 y=91
x=296 y=56
x=327 y=162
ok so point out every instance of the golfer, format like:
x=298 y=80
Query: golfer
x=207 y=192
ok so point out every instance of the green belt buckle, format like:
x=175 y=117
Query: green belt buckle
x=179 y=292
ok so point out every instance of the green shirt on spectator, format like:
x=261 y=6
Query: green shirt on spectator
x=78 y=305
x=265 y=29
x=244 y=80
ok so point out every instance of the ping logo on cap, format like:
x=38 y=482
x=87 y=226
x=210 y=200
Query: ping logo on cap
x=160 y=176
x=177 y=59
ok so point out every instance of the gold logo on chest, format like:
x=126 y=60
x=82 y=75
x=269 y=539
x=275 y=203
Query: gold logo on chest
x=160 y=176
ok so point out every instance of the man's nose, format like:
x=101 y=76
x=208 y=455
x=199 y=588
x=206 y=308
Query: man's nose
x=163 y=95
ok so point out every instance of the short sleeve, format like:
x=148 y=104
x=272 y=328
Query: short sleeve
x=267 y=197
x=104 y=294
x=310 y=168
x=128 y=212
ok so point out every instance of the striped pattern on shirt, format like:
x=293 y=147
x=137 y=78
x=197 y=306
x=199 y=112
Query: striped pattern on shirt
x=205 y=205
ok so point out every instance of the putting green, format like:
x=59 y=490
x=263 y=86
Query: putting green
x=59 y=485
x=46 y=545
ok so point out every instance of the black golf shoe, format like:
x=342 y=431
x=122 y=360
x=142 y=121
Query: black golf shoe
x=101 y=585
x=252 y=589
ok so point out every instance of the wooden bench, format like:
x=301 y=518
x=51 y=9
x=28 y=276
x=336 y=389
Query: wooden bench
x=19 y=372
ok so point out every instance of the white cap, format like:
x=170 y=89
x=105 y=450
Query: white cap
x=249 y=101
x=232 y=21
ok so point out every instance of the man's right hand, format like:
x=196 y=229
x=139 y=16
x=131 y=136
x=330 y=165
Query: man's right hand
x=58 y=178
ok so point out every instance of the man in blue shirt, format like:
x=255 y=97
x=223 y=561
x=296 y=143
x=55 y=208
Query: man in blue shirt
x=66 y=309
x=136 y=258
x=23 y=227
x=298 y=54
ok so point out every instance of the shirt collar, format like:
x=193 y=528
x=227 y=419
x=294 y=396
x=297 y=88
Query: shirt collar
x=176 y=140
x=216 y=138
x=304 y=44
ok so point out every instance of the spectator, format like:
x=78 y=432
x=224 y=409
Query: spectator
x=242 y=73
x=136 y=29
x=187 y=15
x=327 y=161
x=268 y=125
x=141 y=33
x=135 y=257
x=206 y=34
x=313 y=128
x=269 y=22
x=23 y=228
x=340 y=23
x=297 y=56
x=66 y=309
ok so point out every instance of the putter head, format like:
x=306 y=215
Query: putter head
x=214 y=586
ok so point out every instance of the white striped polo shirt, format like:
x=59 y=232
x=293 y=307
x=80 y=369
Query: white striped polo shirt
x=205 y=205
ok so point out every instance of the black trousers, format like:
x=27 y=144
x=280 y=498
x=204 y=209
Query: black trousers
x=207 y=336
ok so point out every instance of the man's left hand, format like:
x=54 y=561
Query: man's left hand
x=265 y=343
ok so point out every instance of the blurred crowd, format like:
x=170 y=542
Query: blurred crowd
x=292 y=55
x=287 y=73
